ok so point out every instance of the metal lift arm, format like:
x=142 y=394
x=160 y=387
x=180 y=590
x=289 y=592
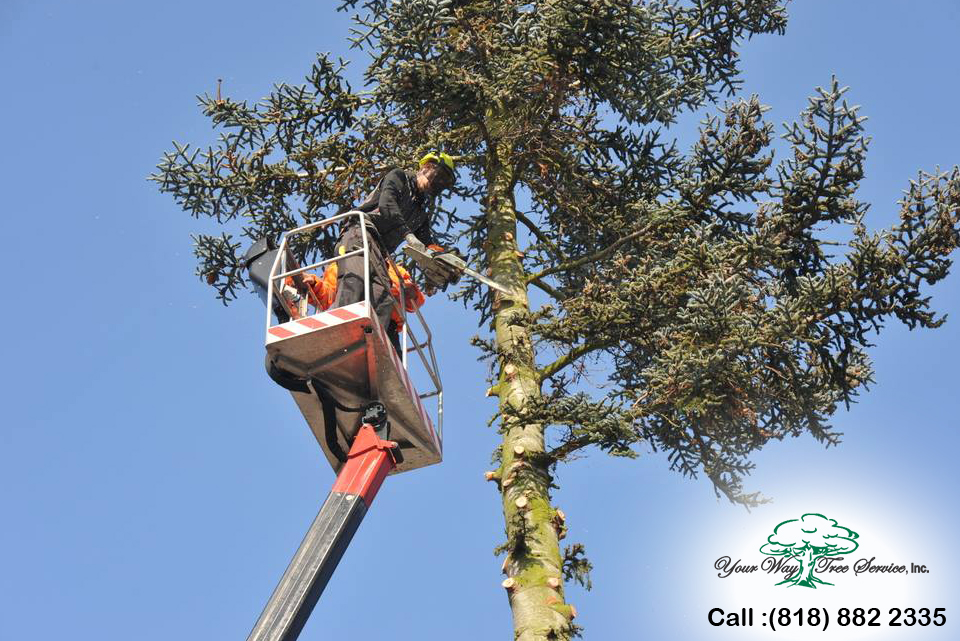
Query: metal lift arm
x=368 y=463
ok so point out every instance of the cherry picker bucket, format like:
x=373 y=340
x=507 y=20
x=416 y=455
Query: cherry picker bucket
x=337 y=360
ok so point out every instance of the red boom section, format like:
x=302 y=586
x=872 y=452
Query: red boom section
x=369 y=462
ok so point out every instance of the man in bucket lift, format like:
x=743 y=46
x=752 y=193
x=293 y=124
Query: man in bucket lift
x=396 y=212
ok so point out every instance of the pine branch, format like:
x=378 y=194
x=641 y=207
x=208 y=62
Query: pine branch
x=585 y=260
x=561 y=452
x=571 y=357
x=547 y=289
x=536 y=231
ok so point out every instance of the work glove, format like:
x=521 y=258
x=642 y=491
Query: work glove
x=436 y=278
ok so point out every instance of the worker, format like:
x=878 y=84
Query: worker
x=396 y=212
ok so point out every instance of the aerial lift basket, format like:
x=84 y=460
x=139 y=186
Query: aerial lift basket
x=346 y=354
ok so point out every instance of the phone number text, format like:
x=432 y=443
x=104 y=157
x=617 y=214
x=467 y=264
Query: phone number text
x=822 y=618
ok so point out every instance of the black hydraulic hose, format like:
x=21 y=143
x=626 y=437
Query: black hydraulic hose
x=317 y=385
x=285 y=379
x=329 y=405
x=330 y=422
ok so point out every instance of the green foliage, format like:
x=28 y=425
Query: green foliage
x=722 y=325
x=291 y=148
x=576 y=566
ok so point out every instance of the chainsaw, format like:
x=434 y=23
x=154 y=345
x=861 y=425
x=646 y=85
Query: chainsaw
x=446 y=267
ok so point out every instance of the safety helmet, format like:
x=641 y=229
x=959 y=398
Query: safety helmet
x=444 y=160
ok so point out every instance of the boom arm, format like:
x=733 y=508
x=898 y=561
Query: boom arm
x=368 y=463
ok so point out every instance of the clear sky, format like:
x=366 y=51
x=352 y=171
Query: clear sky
x=155 y=482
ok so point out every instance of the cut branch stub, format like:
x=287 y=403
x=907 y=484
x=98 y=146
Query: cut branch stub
x=518 y=450
x=521 y=502
x=559 y=523
x=509 y=584
x=553 y=582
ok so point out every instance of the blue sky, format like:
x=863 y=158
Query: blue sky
x=155 y=483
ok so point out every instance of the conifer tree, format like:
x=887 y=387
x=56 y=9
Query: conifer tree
x=706 y=284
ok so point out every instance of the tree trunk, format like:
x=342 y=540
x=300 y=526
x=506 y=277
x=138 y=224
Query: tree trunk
x=533 y=566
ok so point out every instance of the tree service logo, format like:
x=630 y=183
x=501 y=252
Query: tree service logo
x=811 y=551
x=806 y=541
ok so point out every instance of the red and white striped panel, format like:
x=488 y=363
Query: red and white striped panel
x=317 y=321
x=406 y=381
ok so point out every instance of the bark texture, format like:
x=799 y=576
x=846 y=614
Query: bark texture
x=533 y=558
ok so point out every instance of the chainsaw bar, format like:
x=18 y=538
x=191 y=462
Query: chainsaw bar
x=429 y=261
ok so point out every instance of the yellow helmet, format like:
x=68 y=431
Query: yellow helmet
x=441 y=159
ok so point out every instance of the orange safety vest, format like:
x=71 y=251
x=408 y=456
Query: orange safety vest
x=325 y=289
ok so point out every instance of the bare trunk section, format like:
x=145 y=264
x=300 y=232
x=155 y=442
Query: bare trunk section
x=533 y=565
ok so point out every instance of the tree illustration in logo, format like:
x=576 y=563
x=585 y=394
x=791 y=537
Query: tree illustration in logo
x=808 y=539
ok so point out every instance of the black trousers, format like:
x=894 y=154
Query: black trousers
x=350 y=276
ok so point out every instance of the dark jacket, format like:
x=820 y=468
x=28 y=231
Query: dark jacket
x=397 y=208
